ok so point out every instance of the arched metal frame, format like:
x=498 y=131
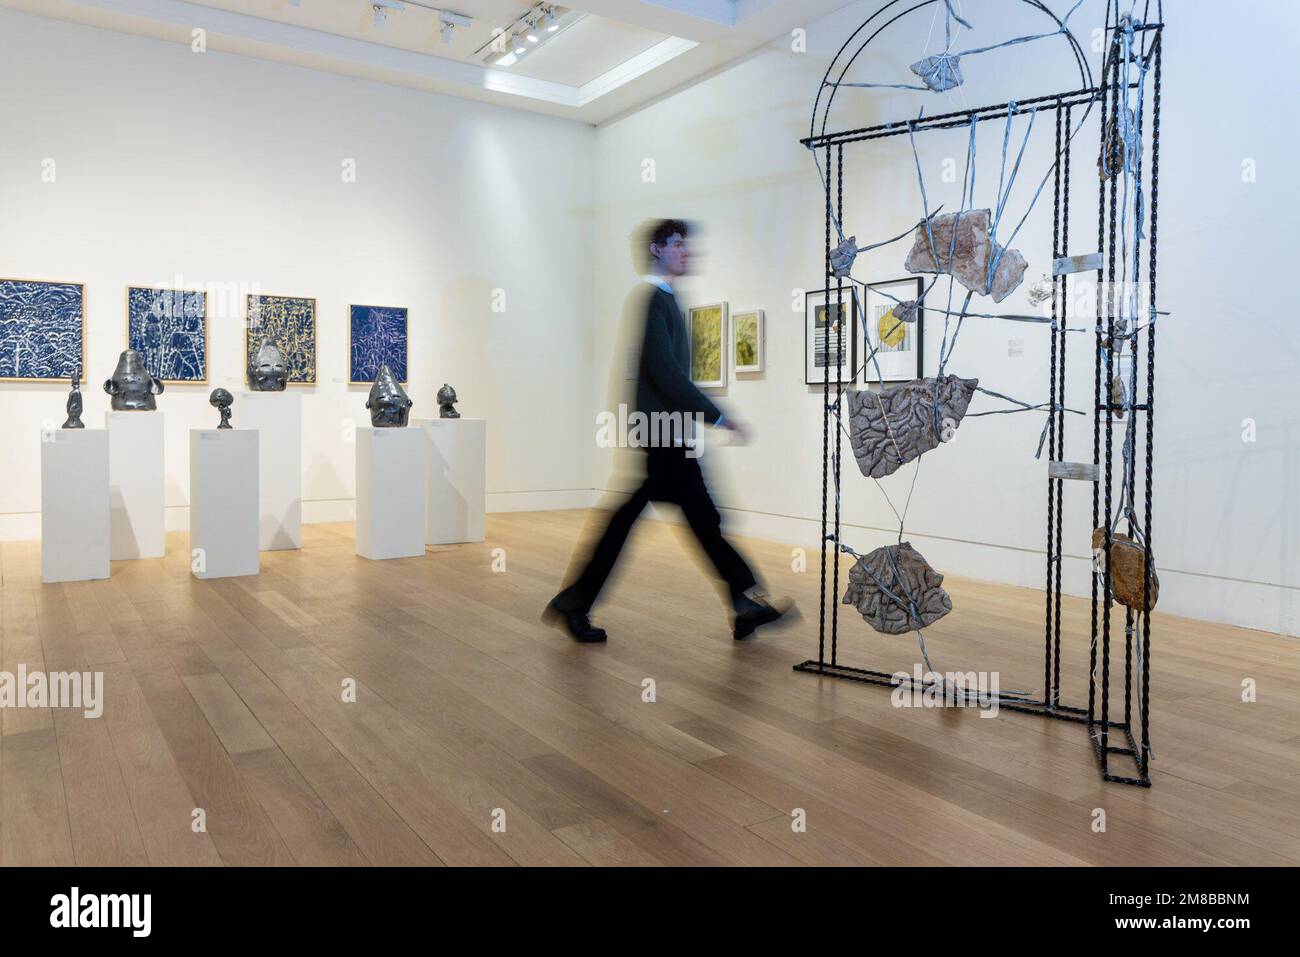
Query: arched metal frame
x=1133 y=729
x=1085 y=72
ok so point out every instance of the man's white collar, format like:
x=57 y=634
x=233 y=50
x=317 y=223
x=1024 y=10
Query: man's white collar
x=659 y=281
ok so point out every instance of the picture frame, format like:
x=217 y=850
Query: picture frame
x=747 y=341
x=290 y=323
x=378 y=335
x=174 y=348
x=819 y=305
x=899 y=346
x=48 y=318
x=706 y=329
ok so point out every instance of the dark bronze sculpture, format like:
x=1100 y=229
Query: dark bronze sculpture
x=389 y=405
x=132 y=387
x=74 y=404
x=268 y=373
x=221 y=400
x=447 y=403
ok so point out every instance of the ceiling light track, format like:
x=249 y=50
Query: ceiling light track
x=448 y=20
x=542 y=23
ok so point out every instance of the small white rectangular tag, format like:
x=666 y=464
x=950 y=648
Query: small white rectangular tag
x=1080 y=471
x=1069 y=264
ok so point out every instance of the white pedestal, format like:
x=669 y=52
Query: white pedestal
x=135 y=484
x=390 y=493
x=278 y=416
x=455 y=456
x=74 y=505
x=223 y=502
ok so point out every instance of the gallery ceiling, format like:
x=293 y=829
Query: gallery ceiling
x=590 y=62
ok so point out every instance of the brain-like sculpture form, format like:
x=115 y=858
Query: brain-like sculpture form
x=881 y=582
x=896 y=425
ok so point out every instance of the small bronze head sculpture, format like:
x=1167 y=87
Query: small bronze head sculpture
x=132 y=387
x=268 y=373
x=389 y=405
x=74 y=404
x=221 y=400
x=447 y=403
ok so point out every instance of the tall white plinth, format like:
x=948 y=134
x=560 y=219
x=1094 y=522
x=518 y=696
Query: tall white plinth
x=223 y=502
x=74 y=505
x=278 y=417
x=135 y=484
x=455 y=461
x=390 y=493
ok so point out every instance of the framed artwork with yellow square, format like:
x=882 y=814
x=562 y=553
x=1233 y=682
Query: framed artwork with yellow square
x=892 y=350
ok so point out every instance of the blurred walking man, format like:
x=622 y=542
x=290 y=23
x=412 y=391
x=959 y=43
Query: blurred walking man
x=672 y=471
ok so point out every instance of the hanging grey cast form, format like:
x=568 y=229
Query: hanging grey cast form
x=896 y=590
x=389 y=405
x=902 y=422
x=267 y=372
x=132 y=387
x=74 y=404
x=221 y=400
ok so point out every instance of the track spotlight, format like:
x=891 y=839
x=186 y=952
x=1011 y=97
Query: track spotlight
x=537 y=27
x=379 y=10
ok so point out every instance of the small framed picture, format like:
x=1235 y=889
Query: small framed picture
x=289 y=323
x=892 y=340
x=830 y=333
x=708 y=337
x=42 y=330
x=377 y=336
x=747 y=341
x=169 y=328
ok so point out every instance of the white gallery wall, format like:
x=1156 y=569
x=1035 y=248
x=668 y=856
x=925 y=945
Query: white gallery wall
x=174 y=167
x=725 y=153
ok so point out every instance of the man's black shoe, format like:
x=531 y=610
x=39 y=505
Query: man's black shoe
x=573 y=619
x=754 y=609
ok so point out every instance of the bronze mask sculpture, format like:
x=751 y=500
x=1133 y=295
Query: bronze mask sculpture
x=389 y=405
x=268 y=373
x=447 y=403
x=221 y=400
x=74 y=404
x=132 y=387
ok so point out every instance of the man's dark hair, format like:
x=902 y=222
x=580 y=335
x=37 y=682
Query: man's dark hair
x=665 y=229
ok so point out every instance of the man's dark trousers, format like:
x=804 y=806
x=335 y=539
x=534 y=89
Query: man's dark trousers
x=670 y=477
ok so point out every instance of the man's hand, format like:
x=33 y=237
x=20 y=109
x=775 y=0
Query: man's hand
x=739 y=433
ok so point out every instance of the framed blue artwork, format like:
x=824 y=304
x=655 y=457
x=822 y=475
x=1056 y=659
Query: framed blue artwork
x=169 y=328
x=290 y=323
x=376 y=336
x=42 y=330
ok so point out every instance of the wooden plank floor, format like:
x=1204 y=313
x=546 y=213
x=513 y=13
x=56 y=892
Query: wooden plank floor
x=228 y=696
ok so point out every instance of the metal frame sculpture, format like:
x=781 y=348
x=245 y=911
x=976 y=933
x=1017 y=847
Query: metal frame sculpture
x=1128 y=100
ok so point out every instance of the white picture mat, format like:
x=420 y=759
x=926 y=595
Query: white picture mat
x=897 y=362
